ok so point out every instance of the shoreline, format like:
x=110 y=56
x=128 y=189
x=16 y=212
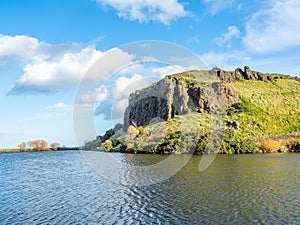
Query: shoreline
x=33 y=150
x=145 y=153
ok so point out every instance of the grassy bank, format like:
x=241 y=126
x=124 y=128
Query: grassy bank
x=267 y=119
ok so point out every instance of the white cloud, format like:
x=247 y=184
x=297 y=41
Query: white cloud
x=131 y=83
x=273 y=29
x=212 y=59
x=95 y=95
x=56 y=72
x=216 y=6
x=148 y=10
x=59 y=105
x=172 y=69
x=232 y=32
x=47 y=67
x=18 y=45
x=117 y=96
x=110 y=62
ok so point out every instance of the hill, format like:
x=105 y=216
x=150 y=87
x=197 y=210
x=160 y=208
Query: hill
x=239 y=111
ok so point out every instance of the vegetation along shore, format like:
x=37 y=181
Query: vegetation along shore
x=257 y=113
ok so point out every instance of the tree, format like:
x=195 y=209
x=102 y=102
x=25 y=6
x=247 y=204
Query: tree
x=39 y=145
x=44 y=145
x=22 y=146
x=54 y=145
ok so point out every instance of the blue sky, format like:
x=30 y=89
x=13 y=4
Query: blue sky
x=46 y=47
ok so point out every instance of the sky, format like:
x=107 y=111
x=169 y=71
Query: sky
x=47 y=47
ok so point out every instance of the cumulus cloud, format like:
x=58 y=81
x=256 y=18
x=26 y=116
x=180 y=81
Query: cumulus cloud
x=55 y=73
x=19 y=45
x=117 y=98
x=95 y=95
x=216 y=6
x=172 y=69
x=232 y=32
x=147 y=10
x=47 y=67
x=214 y=59
x=110 y=62
x=275 y=28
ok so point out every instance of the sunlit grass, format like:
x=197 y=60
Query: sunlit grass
x=272 y=107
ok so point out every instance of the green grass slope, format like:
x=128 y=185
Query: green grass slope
x=269 y=108
x=268 y=117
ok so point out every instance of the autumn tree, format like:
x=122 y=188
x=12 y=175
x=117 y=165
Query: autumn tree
x=39 y=144
x=54 y=145
x=22 y=146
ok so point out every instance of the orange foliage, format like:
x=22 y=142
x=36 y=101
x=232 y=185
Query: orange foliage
x=271 y=145
x=39 y=144
x=54 y=145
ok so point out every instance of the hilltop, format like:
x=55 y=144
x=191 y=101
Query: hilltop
x=239 y=111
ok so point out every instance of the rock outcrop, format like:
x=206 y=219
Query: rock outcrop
x=239 y=74
x=178 y=95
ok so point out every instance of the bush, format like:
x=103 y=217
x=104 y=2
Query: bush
x=140 y=129
x=295 y=147
x=108 y=145
x=169 y=144
x=202 y=143
x=132 y=131
x=271 y=145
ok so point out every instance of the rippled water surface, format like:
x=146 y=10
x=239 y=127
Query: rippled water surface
x=60 y=188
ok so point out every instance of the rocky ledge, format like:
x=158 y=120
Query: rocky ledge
x=193 y=91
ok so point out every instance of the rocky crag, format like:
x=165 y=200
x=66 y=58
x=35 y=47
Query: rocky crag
x=193 y=91
x=261 y=114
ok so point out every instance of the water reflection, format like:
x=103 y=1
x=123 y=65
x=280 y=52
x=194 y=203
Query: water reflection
x=60 y=188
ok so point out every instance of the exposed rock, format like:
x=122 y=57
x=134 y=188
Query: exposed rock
x=248 y=75
x=174 y=95
x=239 y=74
x=235 y=124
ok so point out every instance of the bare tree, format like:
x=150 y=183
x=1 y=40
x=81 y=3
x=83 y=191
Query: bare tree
x=54 y=145
x=22 y=146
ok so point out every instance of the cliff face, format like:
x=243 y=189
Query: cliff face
x=257 y=105
x=178 y=95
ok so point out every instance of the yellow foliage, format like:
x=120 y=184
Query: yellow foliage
x=108 y=145
x=54 y=145
x=271 y=145
x=22 y=146
x=39 y=145
x=132 y=131
x=129 y=146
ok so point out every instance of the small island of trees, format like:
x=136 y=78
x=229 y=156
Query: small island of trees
x=38 y=145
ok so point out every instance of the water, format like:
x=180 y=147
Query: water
x=60 y=188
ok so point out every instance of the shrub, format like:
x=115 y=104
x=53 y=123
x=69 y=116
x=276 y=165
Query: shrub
x=108 y=145
x=202 y=143
x=132 y=131
x=295 y=147
x=140 y=129
x=271 y=145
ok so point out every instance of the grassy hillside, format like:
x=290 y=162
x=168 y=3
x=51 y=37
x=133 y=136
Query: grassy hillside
x=268 y=118
x=270 y=108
